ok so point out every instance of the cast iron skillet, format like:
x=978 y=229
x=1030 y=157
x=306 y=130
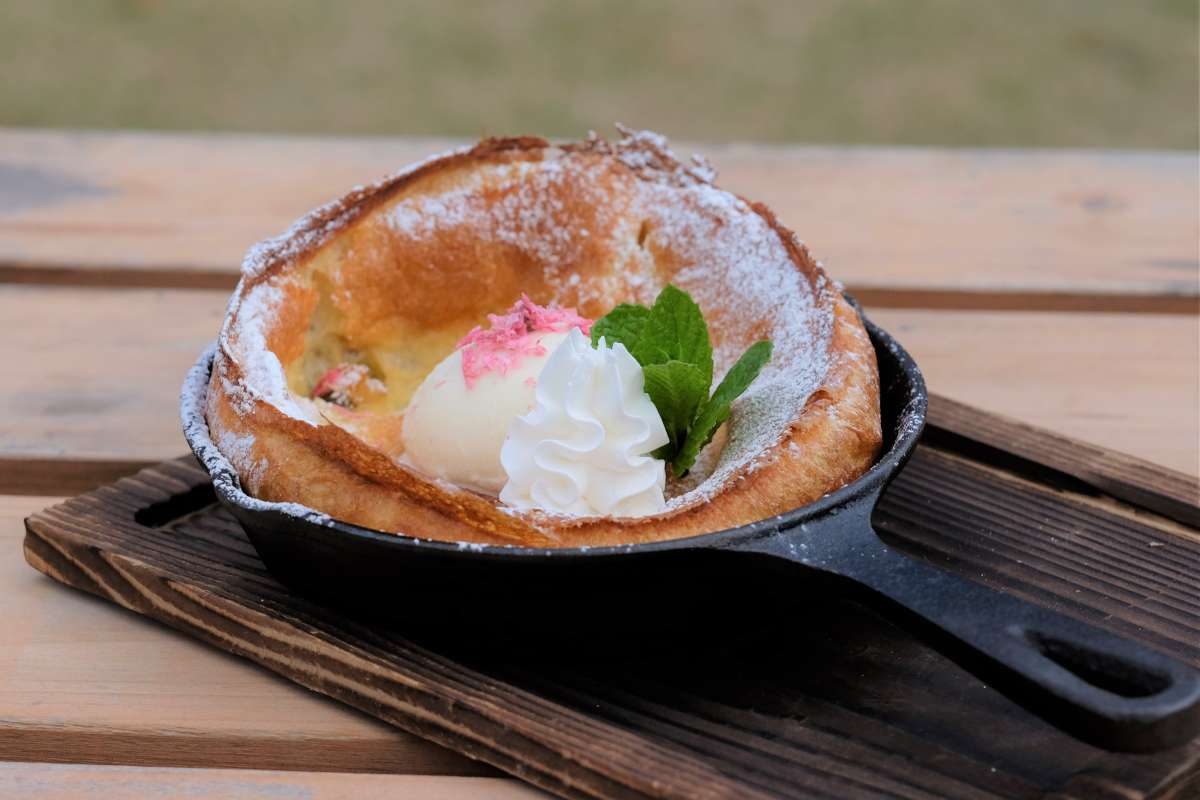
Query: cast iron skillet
x=1101 y=688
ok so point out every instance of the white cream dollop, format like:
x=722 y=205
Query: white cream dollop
x=583 y=448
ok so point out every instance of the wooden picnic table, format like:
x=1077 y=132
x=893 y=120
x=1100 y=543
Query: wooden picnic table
x=1057 y=287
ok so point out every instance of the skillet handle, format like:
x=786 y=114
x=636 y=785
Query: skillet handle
x=1103 y=689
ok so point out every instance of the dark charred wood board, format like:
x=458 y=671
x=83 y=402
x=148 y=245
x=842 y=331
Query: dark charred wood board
x=825 y=700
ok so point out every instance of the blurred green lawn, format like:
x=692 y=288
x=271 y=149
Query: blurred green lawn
x=1119 y=73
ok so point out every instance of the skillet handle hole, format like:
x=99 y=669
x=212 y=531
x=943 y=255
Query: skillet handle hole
x=1106 y=671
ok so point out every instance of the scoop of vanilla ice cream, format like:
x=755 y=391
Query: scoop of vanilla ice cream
x=454 y=429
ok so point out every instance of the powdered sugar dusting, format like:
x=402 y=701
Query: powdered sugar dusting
x=757 y=280
x=217 y=458
x=523 y=212
x=316 y=227
x=239 y=396
x=263 y=374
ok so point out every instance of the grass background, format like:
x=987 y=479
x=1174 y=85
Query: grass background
x=1120 y=73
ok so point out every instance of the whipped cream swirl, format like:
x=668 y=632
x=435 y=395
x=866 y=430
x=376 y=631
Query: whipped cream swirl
x=583 y=448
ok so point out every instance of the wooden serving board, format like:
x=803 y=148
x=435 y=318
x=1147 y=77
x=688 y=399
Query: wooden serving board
x=821 y=700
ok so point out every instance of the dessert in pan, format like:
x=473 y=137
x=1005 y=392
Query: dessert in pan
x=543 y=345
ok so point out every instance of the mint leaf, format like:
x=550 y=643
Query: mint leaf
x=670 y=341
x=719 y=406
x=743 y=373
x=677 y=390
x=675 y=328
x=711 y=417
x=623 y=324
x=646 y=353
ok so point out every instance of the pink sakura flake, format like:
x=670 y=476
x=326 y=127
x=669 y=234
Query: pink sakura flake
x=513 y=336
x=338 y=383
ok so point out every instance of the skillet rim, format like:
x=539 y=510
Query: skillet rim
x=905 y=433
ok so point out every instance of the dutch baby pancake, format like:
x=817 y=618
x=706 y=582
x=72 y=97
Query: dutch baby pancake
x=506 y=345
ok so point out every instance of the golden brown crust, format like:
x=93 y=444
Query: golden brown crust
x=345 y=278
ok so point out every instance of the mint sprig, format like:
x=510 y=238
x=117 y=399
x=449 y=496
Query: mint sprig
x=670 y=341
x=677 y=389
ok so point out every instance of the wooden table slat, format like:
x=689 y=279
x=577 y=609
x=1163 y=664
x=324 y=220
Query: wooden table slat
x=1064 y=230
x=84 y=681
x=32 y=781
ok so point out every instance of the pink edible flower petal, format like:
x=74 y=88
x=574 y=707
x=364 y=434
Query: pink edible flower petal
x=338 y=382
x=513 y=336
